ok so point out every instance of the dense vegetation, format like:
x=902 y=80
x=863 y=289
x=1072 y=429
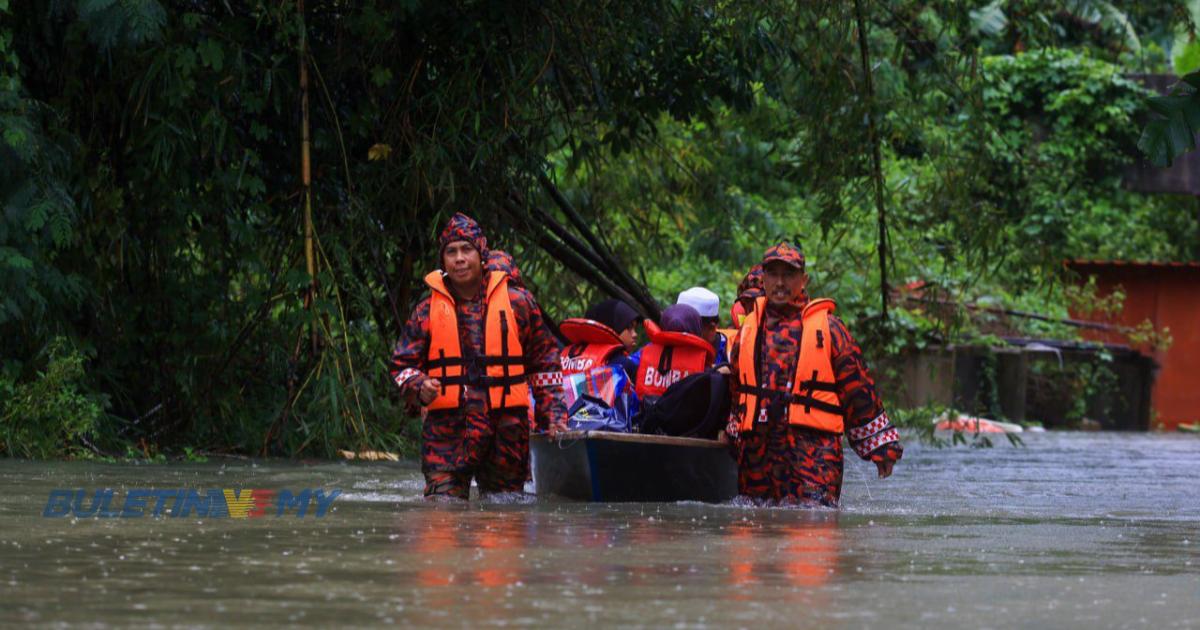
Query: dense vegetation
x=174 y=273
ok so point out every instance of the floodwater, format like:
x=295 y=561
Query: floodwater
x=1073 y=531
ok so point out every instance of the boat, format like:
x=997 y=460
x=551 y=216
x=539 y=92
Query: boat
x=604 y=466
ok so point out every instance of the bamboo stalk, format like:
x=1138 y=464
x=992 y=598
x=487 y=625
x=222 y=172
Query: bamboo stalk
x=285 y=414
x=609 y=263
x=571 y=258
x=596 y=257
x=876 y=154
x=566 y=237
x=310 y=259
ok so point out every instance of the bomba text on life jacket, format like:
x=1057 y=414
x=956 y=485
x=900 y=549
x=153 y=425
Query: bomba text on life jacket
x=577 y=364
x=657 y=379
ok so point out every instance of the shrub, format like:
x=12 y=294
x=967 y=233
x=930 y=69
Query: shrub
x=52 y=415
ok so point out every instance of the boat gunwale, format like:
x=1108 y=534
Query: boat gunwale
x=640 y=438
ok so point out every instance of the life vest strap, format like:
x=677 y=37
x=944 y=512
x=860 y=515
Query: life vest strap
x=483 y=381
x=445 y=362
x=761 y=392
x=818 y=386
x=809 y=401
x=474 y=361
x=795 y=399
x=508 y=360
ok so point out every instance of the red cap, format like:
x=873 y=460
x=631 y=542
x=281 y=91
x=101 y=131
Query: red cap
x=785 y=252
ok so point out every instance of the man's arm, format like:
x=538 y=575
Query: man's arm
x=868 y=427
x=409 y=353
x=542 y=367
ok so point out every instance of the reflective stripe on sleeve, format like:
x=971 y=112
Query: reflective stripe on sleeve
x=546 y=379
x=880 y=423
x=407 y=375
x=865 y=447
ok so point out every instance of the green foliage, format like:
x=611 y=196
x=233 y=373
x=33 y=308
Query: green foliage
x=1075 y=394
x=920 y=422
x=190 y=454
x=1086 y=300
x=53 y=414
x=1187 y=58
x=39 y=213
x=149 y=184
x=1117 y=30
x=986 y=201
x=151 y=193
x=1062 y=125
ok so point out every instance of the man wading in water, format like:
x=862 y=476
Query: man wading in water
x=469 y=355
x=799 y=382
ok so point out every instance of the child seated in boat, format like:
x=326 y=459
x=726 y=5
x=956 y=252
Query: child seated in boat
x=596 y=367
x=676 y=350
x=682 y=393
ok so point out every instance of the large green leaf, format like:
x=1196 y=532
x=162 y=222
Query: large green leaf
x=1173 y=132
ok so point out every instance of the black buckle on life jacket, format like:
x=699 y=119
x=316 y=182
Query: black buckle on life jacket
x=442 y=358
x=777 y=401
x=811 y=382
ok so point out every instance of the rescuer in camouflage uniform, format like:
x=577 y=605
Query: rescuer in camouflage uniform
x=472 y=439
x=780 y=461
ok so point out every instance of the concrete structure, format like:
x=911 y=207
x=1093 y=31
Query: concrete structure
x=1027 y=379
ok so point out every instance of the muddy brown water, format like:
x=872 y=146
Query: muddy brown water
x=1073 y=531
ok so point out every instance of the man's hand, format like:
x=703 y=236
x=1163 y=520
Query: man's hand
x=885 y=467
x=429 y=390
x=731 y=428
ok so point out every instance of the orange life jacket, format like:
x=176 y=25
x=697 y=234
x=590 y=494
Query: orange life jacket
x=812 y=400
x=592 y=345
x=501 y=369
x=668 y=359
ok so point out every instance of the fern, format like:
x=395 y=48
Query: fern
x=145 y=18
x=60 y=229
x=111 y=23
x=17 y=136
x=38 y=214
x=13 y=260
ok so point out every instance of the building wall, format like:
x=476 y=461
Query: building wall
x=1168 y=296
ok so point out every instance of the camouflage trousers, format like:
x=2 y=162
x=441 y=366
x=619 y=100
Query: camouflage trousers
x=790 y=465
x=492 y=448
